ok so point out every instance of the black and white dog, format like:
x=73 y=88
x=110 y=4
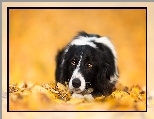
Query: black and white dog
x=89 y=61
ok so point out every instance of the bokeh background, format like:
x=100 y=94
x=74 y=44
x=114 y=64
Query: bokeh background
x=35 y=36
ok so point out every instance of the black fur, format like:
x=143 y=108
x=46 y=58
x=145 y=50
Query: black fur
x=101 y=58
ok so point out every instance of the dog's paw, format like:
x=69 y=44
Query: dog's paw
x=88 y=97
x=79 y=96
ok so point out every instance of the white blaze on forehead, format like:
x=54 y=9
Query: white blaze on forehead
x=77 y=74
x=82 y=40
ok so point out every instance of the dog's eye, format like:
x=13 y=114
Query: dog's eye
x=89 y=65
x=73 y=63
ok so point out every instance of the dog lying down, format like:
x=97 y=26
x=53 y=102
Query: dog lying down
x=89 y=65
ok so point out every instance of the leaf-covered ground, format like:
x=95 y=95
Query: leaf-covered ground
x=35 y=37
x=52 y=97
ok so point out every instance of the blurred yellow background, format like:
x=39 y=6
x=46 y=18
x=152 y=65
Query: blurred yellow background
x=36 y=36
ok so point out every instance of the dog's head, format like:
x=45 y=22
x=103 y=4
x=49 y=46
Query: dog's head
x=89 y=61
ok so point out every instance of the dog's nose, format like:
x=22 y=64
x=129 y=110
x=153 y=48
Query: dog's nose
x=76 y=83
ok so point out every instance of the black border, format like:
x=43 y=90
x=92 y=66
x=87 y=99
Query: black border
x=8 y=8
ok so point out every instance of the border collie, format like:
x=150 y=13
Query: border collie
x=89 y=61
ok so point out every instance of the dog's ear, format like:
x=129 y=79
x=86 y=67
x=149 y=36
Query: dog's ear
x=103 y=84
x=105 y=72
x=106 y=66
x=61 y=67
